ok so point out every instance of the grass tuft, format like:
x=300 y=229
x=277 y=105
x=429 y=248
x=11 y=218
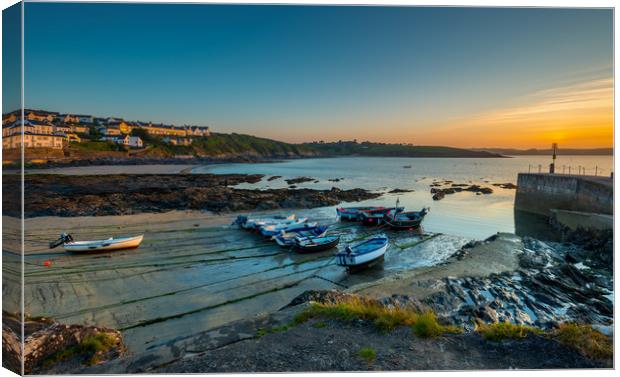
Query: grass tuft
x=426 y=326
x=319 y=325
x=585 y=339
x=90 y=349
x=382 y=317
x=367 y=354
x=505 y=330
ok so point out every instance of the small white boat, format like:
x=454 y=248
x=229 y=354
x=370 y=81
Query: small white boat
x=364 y=253
x=104 y=245
x=286 y=226
x=257 y=222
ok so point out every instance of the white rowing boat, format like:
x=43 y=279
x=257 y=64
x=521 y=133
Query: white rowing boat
x=363 y=253
x=104 y=245
x=255 y=223
x=286 y=226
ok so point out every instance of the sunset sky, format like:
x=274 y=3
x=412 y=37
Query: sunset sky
x=465 y=77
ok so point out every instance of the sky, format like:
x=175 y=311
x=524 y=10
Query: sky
x=463 y=77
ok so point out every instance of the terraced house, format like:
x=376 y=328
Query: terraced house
x=36 y=135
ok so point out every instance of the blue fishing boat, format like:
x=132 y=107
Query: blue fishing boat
x=405 y=220
x=287 y=239
x=375 y=216
x=353 y=213
x=316 y=244
x=363 y=254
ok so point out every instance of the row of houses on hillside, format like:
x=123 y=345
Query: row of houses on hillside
x=122 y=127
x=114 y=125
x=46 y=128
x=36 y=134
x=51 y=116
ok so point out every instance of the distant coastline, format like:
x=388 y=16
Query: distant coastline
x=547 y=152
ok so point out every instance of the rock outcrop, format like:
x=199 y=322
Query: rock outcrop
x=51 y=347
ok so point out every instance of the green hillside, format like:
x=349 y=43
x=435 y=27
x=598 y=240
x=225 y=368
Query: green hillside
x=219 y=144
x=226 y=145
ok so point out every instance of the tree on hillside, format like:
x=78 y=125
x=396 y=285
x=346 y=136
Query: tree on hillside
x=140 y=132
x=94 y=133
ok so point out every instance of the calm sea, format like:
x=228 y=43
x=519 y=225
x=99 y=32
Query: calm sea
x=462 y=214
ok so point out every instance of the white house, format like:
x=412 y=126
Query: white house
x=132 y=141
x=197 y=131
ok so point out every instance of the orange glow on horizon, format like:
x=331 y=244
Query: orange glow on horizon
x=579 y=115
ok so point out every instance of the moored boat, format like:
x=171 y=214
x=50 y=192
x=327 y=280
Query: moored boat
x=285 y=226
x=353 y=213
x=405 y=220
x=285 y=239
x=316 y=244
x=252 y=223
x=363 y=254
x=104 y=245
x=375 y=216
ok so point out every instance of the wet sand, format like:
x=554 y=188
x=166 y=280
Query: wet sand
x=193 y=272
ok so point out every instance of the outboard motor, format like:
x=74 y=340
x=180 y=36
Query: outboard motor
x=63 y=239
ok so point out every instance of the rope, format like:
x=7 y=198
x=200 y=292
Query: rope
x=331 y=281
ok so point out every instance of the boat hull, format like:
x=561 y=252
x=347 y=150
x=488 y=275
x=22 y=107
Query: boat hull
x=365 y=266
x=104 y=245
x=353 y=214
x=363 y=254
x=290 y=239
x=310 y=248
x=348 y=216
x=403 y=224
x=255 y=223
x=274 y=230
x=405 y=220
x=375 y=217
x=342 y=259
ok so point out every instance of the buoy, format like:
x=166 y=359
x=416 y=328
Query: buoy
x=47 y=263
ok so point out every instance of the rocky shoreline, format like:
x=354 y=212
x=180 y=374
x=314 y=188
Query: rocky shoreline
x=122 y=194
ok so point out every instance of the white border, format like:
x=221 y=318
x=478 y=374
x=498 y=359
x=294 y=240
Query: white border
x=470 y=3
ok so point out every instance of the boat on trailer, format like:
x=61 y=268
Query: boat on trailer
x=99 y=245
x=405 y=220
x=287 y=239
x=375 y=216
x=353 y=213
x=316 y=244
x=364 y=254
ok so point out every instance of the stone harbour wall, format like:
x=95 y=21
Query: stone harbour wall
x=540 y=193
